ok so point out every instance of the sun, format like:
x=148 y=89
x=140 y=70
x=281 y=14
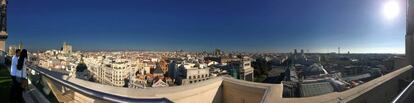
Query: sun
x=391 y=9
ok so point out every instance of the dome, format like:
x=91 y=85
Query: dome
x=315 y=69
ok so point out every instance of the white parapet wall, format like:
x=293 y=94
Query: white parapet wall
x=380 y=90
x=215 y=90
x=203 y=92
x=229 y=90
x=240 y=91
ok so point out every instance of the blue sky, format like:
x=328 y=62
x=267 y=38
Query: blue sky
x=232 y=25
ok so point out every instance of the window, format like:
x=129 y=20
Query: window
x=247 y=64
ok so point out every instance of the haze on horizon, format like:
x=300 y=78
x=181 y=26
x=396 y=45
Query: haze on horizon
x=358 y=26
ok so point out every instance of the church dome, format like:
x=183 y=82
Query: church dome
x=315 y=69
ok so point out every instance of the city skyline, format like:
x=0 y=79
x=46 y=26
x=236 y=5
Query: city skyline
x=259 y=26
x=214 y=51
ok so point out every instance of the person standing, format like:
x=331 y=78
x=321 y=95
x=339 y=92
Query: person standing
x=13 y=69
x=21 y=78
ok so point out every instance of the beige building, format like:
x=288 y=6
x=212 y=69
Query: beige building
x=66 y=48
x=137 y=83
x=110 y=73
x=12 y=50
x=194 y=75
x=116 y=74
x=3 y=37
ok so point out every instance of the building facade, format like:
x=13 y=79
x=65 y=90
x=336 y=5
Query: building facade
x=66 y=48
x=193 y=74
x=243 y=69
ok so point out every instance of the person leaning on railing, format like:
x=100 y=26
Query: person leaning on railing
x=20 y=81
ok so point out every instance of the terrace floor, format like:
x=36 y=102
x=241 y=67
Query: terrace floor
x=5 y=83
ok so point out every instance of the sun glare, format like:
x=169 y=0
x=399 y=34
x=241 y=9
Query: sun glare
x=391 y=9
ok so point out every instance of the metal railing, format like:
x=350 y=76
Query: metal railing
x=407 y=95
x=57 y=78
x=36 y=73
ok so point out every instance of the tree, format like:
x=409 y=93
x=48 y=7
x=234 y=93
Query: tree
x=261 y=67
x=81 y=67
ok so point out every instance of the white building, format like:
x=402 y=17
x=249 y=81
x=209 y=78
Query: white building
x=111 y=72
x=244 y=68
x=193 y=74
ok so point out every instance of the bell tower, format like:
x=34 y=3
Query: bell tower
x=409 y=36
x=3 y=24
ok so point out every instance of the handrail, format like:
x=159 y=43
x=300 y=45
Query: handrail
x=404 y=95
x=93 y=93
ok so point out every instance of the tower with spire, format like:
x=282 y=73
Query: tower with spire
x=3 y=25
x=20 y=45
